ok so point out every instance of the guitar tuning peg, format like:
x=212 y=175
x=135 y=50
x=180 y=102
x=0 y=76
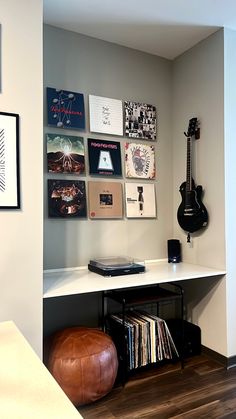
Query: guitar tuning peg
x=197 y=133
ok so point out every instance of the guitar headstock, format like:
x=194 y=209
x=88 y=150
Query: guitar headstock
x=193 y=129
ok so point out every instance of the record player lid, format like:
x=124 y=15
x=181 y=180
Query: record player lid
x=114 y=262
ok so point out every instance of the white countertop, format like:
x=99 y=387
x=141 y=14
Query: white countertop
x=27 y=389
x=80 y=280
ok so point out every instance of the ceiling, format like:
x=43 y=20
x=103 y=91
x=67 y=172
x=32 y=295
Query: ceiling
x=162 y=27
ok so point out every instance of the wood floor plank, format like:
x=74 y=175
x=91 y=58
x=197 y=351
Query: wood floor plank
x=203 y=389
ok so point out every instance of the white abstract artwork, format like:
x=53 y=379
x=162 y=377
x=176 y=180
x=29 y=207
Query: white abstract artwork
x=105 y=115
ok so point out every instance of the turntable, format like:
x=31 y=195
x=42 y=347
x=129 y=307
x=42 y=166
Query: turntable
x=114 y=266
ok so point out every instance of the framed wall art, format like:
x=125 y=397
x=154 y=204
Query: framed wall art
x=106 y=115
x=140 y=120
x=66 y=198
x=140 y=200
x=140 y=161
x=104 y=157
x=9 y=161
x=65 y=109
x=65 y=154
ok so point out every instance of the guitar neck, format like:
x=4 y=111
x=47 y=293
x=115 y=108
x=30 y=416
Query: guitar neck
x=189 y=165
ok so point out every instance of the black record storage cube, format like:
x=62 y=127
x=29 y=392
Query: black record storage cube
x=128 y=299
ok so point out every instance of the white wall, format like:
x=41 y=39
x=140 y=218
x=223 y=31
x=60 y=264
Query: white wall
x=91 y=66
x=21 y=230
x=230 y=182
x=198 y=90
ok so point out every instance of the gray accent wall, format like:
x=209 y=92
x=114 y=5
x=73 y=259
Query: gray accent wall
x=91 y=66
x=198 y=90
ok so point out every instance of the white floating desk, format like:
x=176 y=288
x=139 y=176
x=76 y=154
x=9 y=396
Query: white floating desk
x=27 y=389
x=80 y=280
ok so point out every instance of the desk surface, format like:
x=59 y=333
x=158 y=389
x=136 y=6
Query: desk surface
x=80 y=280
x=27 y=389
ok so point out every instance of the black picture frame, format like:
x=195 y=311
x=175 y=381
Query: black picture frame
x=9 y=161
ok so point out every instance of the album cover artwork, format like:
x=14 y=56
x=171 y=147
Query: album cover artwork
x=140 y=200
x=104 y=157
x=65 y=109
x=140 y=120
x=65 y=154
x=140 y=161
x=106 y=115
x=66 y=198
x=105 y=199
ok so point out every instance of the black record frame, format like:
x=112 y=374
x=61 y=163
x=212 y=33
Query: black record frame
x=9 y=161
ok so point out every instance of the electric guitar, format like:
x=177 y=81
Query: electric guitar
x=192 y=214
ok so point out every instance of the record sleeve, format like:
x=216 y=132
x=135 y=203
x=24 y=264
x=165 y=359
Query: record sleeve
x=104 y=157
x=66 y=198
x=140 y=161
x=65 y=154
x=140 y=200
x=105 y=200
x=65 y=109
x=106 y=115
x=140 y=120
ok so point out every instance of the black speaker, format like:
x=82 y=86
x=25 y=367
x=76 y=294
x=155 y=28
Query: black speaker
x=174 y=251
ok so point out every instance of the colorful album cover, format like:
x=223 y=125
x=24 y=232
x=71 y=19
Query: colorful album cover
x=106 y=115
x=104 y=157
x=105 y=200
x=140 y=120
x=66 y=198
x=65 y=154
x=140 y=161
x=140 y=200
x=65 y=109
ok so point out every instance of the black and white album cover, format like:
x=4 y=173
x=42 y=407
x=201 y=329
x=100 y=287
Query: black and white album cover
x=104 y=157
x=140 y=120
x=140 y=200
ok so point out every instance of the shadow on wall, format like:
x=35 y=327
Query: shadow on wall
x=197 y=295
x=68 y=311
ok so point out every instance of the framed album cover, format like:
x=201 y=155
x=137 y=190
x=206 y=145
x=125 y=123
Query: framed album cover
x=104 y=157
x=65 y=109
x=140 y=200
x=9 y=161
x=140 y=120
x=66 y=198
x=105 y=115
x=105 y=200
x=65 y=154
x=140 y=161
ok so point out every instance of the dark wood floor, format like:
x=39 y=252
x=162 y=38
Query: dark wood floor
x=204 y=389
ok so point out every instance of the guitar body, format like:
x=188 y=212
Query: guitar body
x=192 y=214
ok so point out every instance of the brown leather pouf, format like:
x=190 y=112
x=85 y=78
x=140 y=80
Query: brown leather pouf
x=84 y=363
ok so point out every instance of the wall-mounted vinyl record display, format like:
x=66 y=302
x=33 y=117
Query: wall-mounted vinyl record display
x=105 y=115
x=65 y=154
x=105 y=200
x=66 y=198
x=65 y=109
x=104 y=157
x=140 y=161
x=140 y=120
x=140 y=200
